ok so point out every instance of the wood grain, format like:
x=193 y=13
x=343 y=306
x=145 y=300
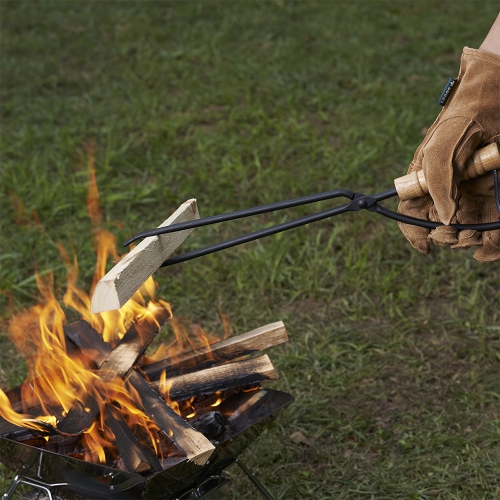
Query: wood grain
x=194 y=444
x=414 y=184
x=136 y=457
x=121 y=282
x=219 y=378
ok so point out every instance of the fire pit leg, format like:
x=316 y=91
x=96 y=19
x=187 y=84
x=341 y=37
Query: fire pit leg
x=263 y=490
x=35 y=483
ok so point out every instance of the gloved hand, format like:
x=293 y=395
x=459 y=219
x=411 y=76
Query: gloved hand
x=469 y=119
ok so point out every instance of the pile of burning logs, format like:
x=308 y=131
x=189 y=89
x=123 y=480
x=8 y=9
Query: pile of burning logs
x=199 y=377
x=178 y=396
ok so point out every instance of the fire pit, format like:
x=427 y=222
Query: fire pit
x=137 y=433
x=53 y=472
x=100 y=417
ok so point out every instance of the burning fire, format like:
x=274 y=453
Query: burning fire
x=57 y=379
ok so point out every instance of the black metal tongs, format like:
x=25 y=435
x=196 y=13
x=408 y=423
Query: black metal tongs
x=407 y=187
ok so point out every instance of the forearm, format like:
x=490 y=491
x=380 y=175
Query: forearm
x=492 y=41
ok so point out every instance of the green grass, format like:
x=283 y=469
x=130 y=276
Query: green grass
x=394 y=356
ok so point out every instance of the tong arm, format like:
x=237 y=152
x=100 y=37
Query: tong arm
x=246 y=212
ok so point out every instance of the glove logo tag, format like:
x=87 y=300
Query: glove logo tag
x=446 y=91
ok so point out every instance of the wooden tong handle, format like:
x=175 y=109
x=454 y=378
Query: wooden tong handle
x=483 y=160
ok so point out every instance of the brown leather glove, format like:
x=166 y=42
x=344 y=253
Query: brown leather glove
x=470 y=119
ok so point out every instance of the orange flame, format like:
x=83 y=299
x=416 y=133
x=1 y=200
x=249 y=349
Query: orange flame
x=54 y=378
x=219 y=399
x=187 y=336
x=92 y=191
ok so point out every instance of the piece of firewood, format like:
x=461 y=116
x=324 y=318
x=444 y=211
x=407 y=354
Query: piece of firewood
x=218 y=378
x=136 y=457
x=195 y=445
x=131 y=347
x=83 y=339
x=231 y=348
x=119 y=363
x=62 y=445
x=210 y=424
x=121 y=282
x=16 y=433
x=249 y=403
x=88 y=340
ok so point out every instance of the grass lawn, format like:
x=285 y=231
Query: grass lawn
x=394 y=356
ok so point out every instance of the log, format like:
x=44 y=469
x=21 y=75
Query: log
x=83 y=340
x=126 y=277
x=16 y=433
x=196 y=446
x=210 y=424
x=64 y=445
x=231 y=348
x=88 y=340
x=219 y=378
x=79 y=418
x=206 y=400
x=136 y=457
x=21 y=433
x=131 y=347
x=119 y=363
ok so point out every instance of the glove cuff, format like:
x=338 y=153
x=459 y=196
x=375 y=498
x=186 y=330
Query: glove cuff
x=480 y=54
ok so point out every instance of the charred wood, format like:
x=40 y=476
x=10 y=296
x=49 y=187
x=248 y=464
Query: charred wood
x=118 y=363
x=80 y=417
x=64 y=445
x=136 y=457
x=195 y=446
x=205 y=400
x=89 y=341
x=219 y=378
x=226 y=350
x=17 y=433
x=210 y=424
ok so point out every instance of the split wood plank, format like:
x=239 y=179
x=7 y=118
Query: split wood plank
x=131 y=347
x=32 y=427
x=194 y=444
x=136 y=457
x=83 y=340
x=9 y=430
x=118 y=363
x=121 y=282
x=219 y=378
x=88 y=340
x=235 y=347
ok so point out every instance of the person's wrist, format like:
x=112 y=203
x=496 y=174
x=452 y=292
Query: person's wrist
x=491 y=43
x=491 y=48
